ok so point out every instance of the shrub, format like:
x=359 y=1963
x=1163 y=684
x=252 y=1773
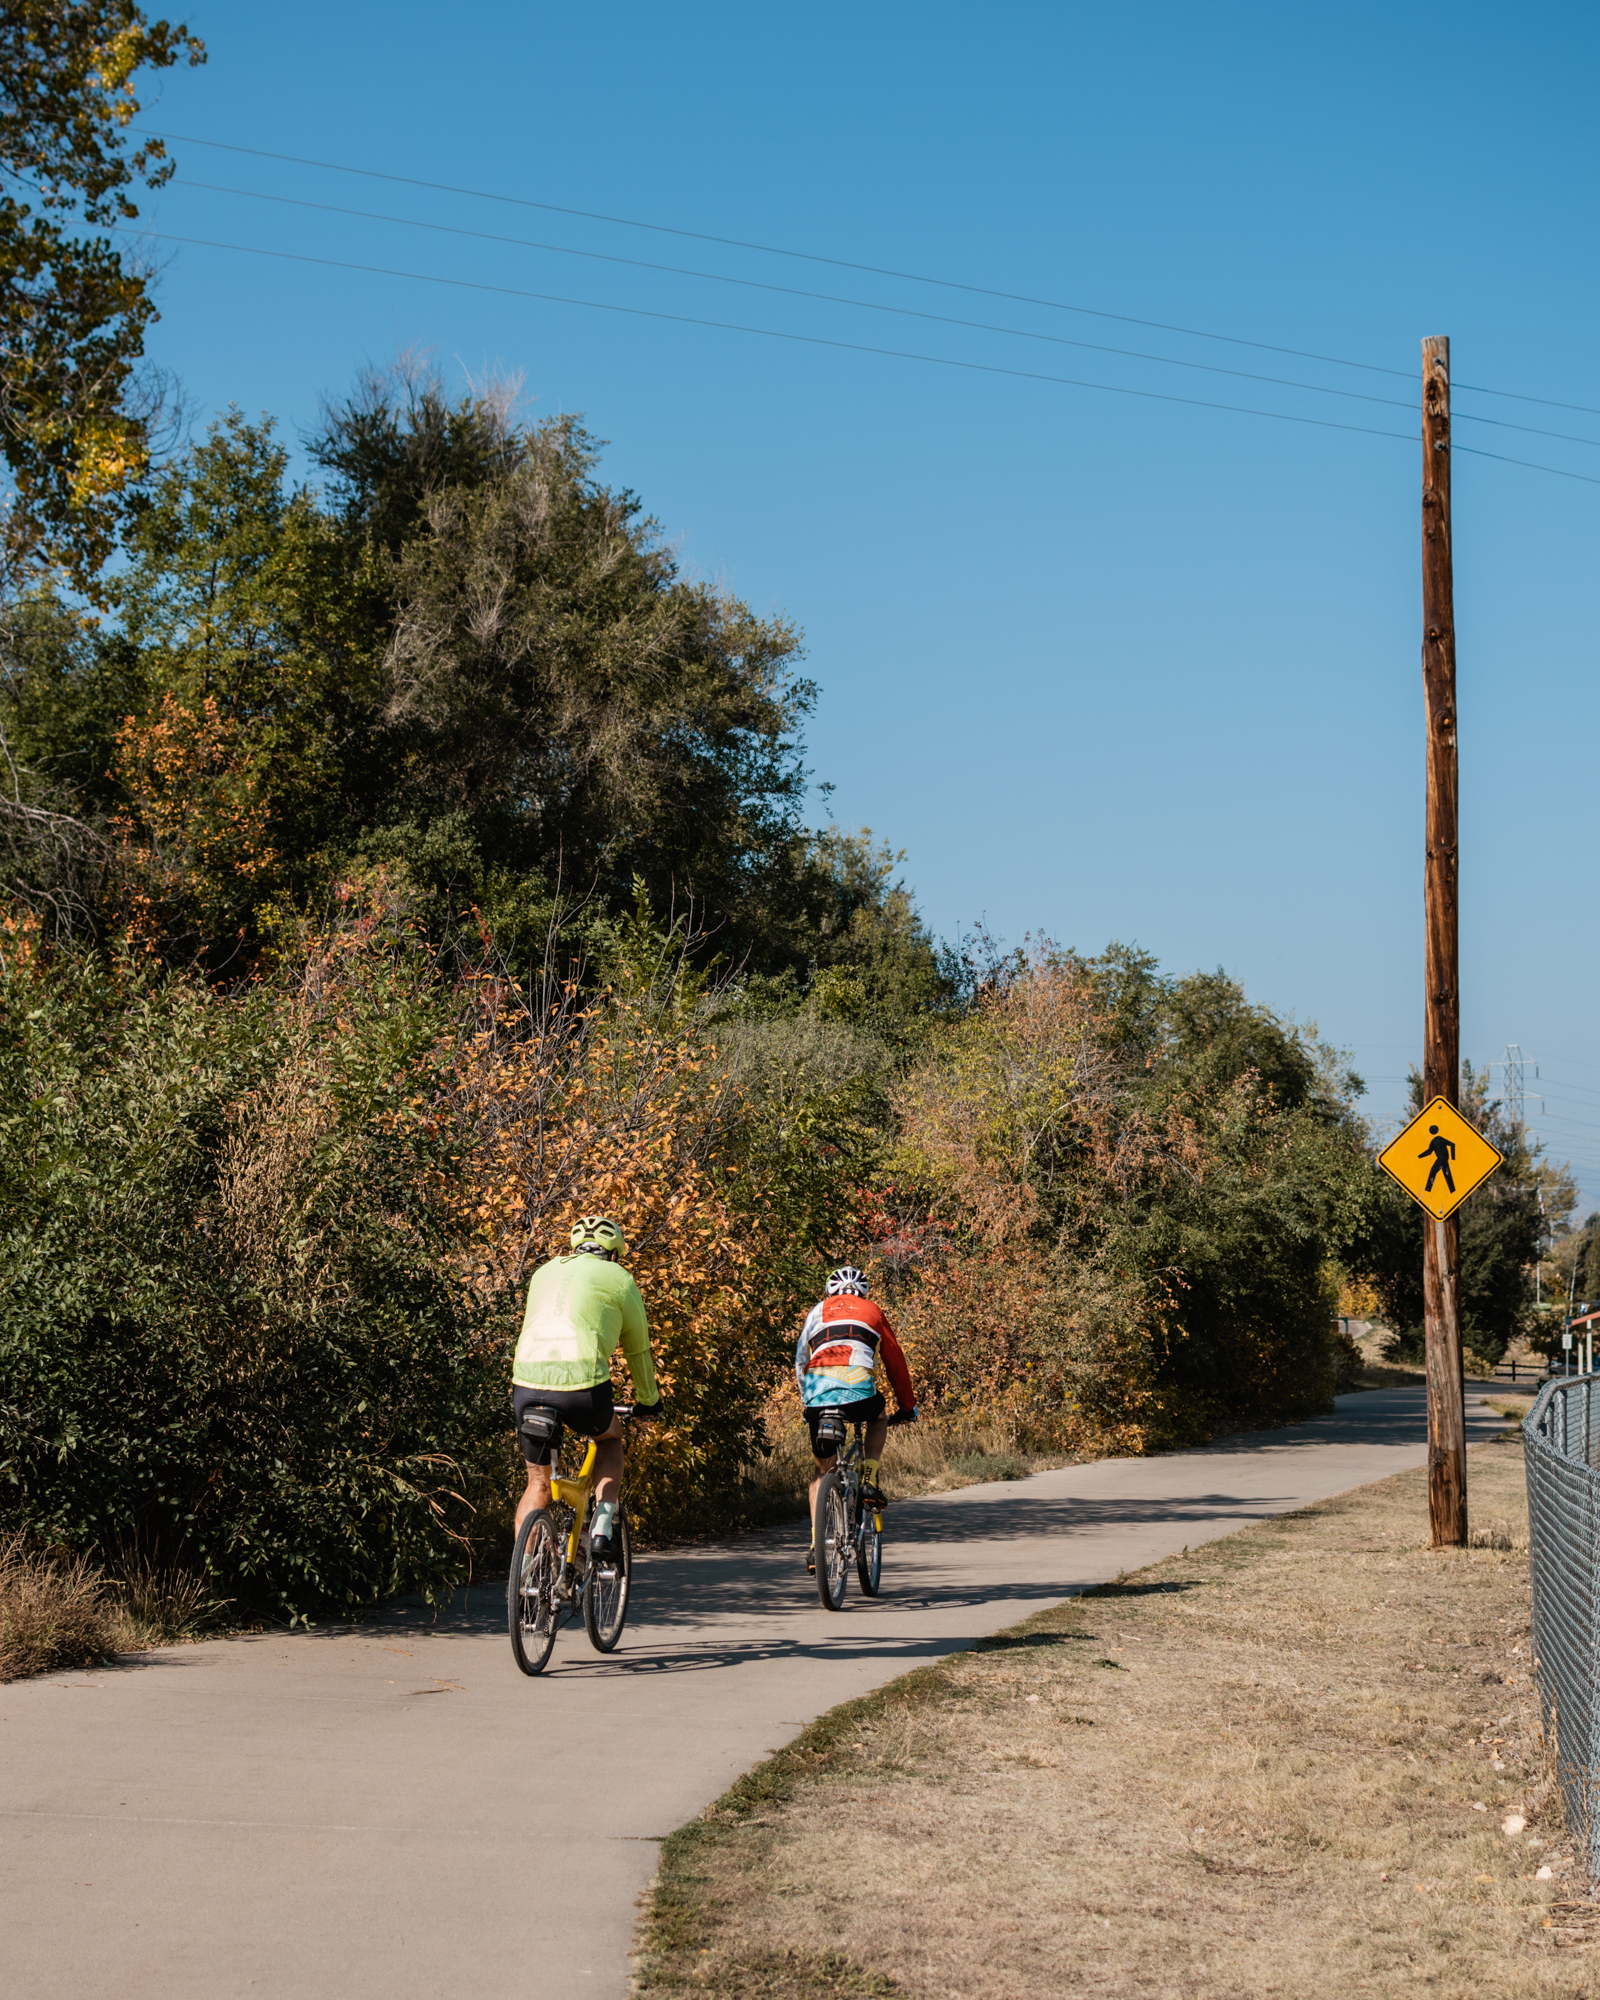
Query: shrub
x=234 y=1338
x=53 y=1610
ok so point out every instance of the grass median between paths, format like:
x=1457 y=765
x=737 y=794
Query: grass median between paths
x=1304 y=1760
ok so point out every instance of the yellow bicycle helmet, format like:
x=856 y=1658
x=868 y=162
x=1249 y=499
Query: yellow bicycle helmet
x=597 y=1236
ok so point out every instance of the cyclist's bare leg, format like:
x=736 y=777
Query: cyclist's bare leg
x=877 y=1438
x=607 y=1475
x=608 y=1463
x=824 y=1465
x=537 y=1494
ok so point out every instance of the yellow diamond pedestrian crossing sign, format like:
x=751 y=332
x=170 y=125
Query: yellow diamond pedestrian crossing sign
x=1438 y=1159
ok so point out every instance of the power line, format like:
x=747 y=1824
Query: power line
x=1533 y=466
x=863 y=305
x=820 y=340
x=774 y=333
x=1561 y=1118
x=826 y=298
x=1563 y=1092
x=844 y=264
x=770 y=250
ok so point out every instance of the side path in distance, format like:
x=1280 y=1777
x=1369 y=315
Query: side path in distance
x=392 y=1810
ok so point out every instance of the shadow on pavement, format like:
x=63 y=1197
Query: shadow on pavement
x=761 y=1574
x=1381 y=1416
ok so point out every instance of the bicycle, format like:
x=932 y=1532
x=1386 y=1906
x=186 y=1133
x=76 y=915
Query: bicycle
x=551 y=1575
x=845 y=1526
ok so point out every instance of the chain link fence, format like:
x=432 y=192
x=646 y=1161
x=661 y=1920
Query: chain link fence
x=1561 y=1435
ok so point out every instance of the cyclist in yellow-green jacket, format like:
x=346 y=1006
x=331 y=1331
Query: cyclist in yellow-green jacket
x=579 y=1307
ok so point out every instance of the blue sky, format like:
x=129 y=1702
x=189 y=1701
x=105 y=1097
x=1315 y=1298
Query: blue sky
x=1105 y=667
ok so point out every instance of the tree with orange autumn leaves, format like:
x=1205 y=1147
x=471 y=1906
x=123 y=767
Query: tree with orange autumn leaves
x=580 y=1100
x=1093 y=1237
x=192 y=838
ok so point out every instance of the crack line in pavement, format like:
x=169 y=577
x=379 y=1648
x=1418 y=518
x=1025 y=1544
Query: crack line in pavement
x=254 y=1825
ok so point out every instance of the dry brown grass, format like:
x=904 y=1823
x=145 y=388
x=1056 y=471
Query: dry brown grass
x=930 y=1456
x=153 y=1605
x=1281 y=1765
x=61 y=1611
x=54 y=1611
x=1388 y=1375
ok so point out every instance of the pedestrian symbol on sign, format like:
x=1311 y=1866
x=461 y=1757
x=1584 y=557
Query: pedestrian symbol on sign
x=1443 y=1151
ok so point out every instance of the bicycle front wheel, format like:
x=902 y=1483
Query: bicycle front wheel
x=532 y=1608
x=605 y=1596
x=869 y=1551
x=833 y=1541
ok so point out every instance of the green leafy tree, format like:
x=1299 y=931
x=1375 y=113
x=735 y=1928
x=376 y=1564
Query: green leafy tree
x=549 y=676
x=73 y=307
x=63 y=696
x=1250 y=1238
x=238 y=1333
x=235 y=602
x=1155 y=1178
x=471 y=659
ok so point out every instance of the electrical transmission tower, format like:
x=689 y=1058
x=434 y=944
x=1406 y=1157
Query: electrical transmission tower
x=1513 y=1064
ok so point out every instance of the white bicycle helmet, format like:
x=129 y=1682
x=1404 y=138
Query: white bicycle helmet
x=847 y=1279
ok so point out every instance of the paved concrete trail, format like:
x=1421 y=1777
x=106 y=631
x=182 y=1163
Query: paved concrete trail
x=393 y=1810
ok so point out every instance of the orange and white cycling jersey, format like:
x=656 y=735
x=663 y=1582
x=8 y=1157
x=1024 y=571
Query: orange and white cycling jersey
x=836 y=1356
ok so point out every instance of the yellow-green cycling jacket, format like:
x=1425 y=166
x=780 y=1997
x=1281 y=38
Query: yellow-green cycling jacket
x=578 y=1309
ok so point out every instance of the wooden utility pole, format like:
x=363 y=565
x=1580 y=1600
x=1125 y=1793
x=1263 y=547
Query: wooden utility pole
x=1441 y=1040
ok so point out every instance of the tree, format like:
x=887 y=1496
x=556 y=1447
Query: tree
x=61 y=697
x=1156 y=1175
x=479 y=663
x=74 y=429
x=241 y=1333
x=1251 y=1235
x=550 y=678
x=260 y=691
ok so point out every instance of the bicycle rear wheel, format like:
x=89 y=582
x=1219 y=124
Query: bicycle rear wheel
x=532 y=1608
x=869 y=1551
x=833 y=1541
x=605 y=1598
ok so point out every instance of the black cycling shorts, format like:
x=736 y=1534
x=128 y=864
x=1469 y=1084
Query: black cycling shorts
x=586 y=1411
x=862 y=1411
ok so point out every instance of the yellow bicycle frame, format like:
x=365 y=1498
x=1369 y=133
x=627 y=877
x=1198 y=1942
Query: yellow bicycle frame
x=573 y=1493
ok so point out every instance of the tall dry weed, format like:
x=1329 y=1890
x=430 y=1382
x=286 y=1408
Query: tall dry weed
x=153 y=1604
x=54 y=1610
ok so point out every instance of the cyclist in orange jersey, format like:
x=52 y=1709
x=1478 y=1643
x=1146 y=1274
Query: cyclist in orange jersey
x=835 y=1362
